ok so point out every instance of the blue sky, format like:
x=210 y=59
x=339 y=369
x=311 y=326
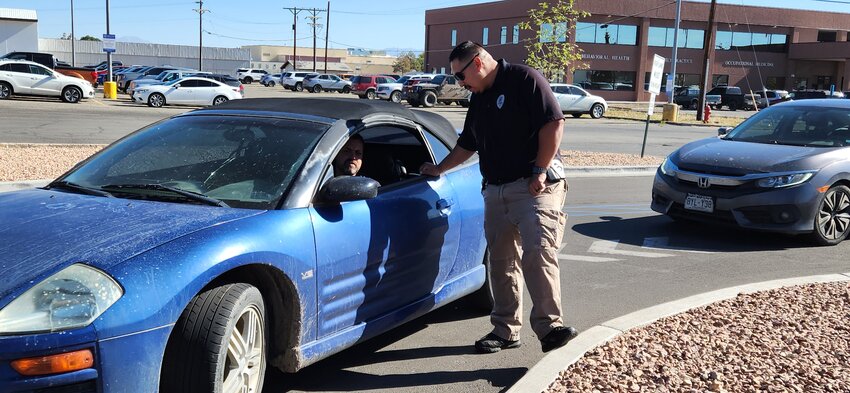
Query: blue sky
x=372 y=24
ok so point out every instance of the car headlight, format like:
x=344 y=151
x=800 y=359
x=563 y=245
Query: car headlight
x=73 y=297
x=668 y=167
x=788 y=180
x=140 y=91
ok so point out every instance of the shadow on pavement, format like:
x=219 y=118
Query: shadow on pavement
x=688 y=235
x=334 y=374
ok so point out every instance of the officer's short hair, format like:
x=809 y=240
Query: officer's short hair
x=465 y=50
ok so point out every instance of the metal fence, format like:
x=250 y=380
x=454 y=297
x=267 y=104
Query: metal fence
x=217 y=60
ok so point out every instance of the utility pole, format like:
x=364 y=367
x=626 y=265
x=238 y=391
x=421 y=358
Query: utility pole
x=675 y=47
x=295 y=12
x=706 y=77
x=108 y=54
x=313 y=17
x=200 y=10
x=73 y=47
x=327 y=30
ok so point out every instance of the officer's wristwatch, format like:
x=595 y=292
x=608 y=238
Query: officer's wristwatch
x=536 y=170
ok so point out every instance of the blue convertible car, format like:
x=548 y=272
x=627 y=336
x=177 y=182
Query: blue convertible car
x=191 y=254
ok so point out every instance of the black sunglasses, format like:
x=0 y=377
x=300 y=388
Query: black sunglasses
x=459 y=75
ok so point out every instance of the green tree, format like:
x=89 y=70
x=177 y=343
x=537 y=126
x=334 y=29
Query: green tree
x=550 y=51
x=408 y=61
x=89 y=38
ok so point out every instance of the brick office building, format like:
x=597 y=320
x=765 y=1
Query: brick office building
x=753 y=46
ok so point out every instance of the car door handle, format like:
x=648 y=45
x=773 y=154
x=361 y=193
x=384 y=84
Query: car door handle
x=444 y=204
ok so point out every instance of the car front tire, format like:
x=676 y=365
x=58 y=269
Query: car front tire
x=247 y=80
x=832 y=219
x=72 y=94
x=395 y=97
x=218 y=344
x=299 y=87
x=219 y=100
x=597 y=110
x=429 y=99
x=270 y=84
x=370 y=94
x=156 y=100
x=345 y=90
x=5 y=90
x=317 y=89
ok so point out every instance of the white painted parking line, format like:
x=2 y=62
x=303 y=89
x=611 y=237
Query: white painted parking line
x=663 y=243
x=610 y=247
x=608 y=210
x=585 y=258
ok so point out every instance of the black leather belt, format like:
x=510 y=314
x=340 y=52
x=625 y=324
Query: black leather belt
x=499 y=182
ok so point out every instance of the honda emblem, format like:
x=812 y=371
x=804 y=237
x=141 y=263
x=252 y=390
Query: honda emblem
x=703 y=182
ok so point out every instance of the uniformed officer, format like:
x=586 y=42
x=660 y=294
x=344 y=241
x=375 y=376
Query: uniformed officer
x=515 y=124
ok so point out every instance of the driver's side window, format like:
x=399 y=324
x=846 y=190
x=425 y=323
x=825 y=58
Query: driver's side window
x=392 y=154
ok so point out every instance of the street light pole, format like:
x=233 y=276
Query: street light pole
x=73 y=38
x=200 y=12
x=675 y=47
x=108 y=54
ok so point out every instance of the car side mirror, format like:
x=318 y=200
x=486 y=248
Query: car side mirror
x=722 y=131
x=349 y=188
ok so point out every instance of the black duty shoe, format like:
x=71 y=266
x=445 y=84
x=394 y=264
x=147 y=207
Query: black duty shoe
x=493 y=343
x=558 y=337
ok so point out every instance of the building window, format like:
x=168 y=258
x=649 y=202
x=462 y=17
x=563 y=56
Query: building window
x=605 y=80
x=484 y=37
x=719 y=80
x=601 y=33
x=503 y=35
x=682 y=80
x=774 y=82
x=761 y=42
x=553 y=33
x=442 y=70
x=826 y=36
x=516 y=34
x=688 y=38
x=454 y=38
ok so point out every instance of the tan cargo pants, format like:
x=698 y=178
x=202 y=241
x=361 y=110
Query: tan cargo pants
x=524 y=233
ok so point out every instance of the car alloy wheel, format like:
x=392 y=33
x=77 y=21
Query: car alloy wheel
x=271 y=84
x=72 y=94
x=218 y=343
x=596 y=111
x=317 y=89
x=370 y=94
x=219 y=100
x=832 y=223
x=430 y=99
x=299 y=87
x=346 y=90
x=5 y=91
x=156 y=100
x=395 y=97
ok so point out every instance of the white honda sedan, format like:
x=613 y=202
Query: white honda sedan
x=576 y=101
x=187 y=91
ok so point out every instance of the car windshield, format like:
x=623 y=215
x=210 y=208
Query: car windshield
x=796 y=125
x=438 y=79
x=402 y=79
x=245 y=162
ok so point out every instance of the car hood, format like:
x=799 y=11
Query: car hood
x=733 y=158
x=42 y=231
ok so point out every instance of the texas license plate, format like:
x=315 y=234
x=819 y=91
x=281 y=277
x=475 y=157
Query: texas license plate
x=700 y=203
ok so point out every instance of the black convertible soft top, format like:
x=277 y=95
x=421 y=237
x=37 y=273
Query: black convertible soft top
x=334 y=109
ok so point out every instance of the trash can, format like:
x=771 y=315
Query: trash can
x=670 y=113
x=110 y=90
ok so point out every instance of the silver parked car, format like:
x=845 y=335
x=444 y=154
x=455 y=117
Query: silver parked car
x=321 y=82
x=785 y=169
x=577 y=101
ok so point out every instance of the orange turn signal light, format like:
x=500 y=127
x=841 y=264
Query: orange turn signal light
x=823 y=189
x=54 y=364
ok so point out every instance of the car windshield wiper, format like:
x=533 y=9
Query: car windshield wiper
x=194 y=196
x=66 y=185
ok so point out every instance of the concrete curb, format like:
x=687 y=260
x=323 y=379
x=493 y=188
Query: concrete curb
x=597 y=171
x=542 y=374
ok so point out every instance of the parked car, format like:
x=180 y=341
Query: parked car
x=810 y=94
x=295 y=80
x=392 y=91
x=51 y=62
x=126 y=78
x=206 y=247
x=227 y=80
x=187 y=91
x=689 y=98
x=21 y=77
x=270 y=80
x=330 y=82
x=785 y=169
x=577 y=101
x=162 y=77
x=366 y=86
x=730 y=96
x=440 y=89
x=249 y=75
x=103 y=64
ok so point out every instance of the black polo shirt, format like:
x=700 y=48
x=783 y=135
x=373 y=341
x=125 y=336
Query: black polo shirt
x=503 y=122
